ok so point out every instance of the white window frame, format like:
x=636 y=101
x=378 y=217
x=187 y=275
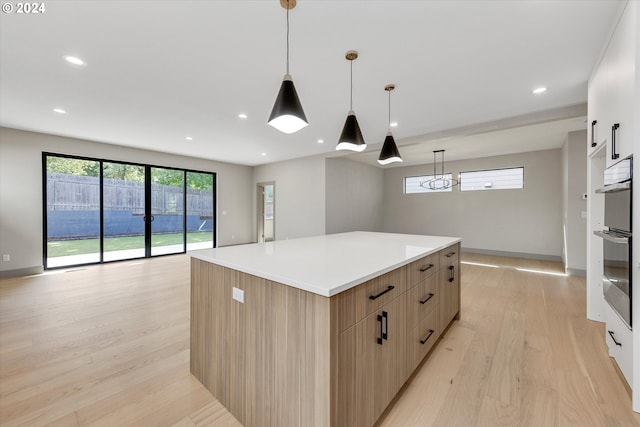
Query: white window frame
x=422 y=190
x=483 y=180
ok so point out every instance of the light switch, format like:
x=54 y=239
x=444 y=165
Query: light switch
x=584 y=214
x=238 y=295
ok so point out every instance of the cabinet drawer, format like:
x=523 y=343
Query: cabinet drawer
x=421 y=300
x=378 y=291
x=355 y=304
x=620 y=342
x=425 y=267
x=421 y=339
x=449 y=256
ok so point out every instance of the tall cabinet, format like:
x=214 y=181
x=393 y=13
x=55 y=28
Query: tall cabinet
x=613 y=134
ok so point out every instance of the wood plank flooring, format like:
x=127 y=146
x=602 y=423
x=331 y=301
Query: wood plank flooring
x=109 y=346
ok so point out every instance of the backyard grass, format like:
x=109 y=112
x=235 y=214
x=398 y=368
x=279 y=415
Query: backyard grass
x=91 y=246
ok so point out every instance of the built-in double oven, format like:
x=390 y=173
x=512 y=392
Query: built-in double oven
x=617 y=284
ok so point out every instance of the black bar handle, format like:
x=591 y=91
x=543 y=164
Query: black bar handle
x=431 y=331
x=372 y=297
x=452 y=274
x=428 y=298
x=614 y=339
x=380 y=335
x=593 y=133
x=614 y=129
x=385 y=322
x=428 y=267
x=450 y=254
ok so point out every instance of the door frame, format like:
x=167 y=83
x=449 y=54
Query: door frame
x=260 y=210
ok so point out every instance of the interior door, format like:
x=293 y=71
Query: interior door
x=266 y=212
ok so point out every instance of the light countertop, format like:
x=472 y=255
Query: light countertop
x=329 y=264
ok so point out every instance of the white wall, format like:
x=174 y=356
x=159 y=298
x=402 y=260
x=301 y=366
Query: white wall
x=354 y=198
x=522 y=222
x=574 y=170
x=21 y=190
x=299 y=197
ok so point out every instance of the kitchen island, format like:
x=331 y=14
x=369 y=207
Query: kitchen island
x=319 y=331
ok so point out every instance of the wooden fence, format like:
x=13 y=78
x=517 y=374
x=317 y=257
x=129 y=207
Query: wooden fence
x=75 y=192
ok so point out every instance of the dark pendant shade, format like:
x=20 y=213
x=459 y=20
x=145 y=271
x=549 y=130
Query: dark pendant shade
x=389 y=152
x=351 y=137
x=287 y=115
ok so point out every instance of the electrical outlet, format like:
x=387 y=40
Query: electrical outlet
x=6 y=257
x=238 y=295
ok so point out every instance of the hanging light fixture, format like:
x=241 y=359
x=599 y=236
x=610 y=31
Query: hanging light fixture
x=287 y=114
x=438 y=181
x=389 y=152
x=351 y=137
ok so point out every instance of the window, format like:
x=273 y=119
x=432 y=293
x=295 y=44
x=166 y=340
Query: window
x=97 y=210
x=496 y=179
x=412 y=184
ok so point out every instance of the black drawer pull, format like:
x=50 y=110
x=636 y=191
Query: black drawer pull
x=431 y=331
x=451 y=272
x=372 y=297
x=593 y=133
x=385 y=322
x=428 y=267
x=450 y=254
x=380 y=335
x=614 y=338
x=428 y=298
x=614 y=128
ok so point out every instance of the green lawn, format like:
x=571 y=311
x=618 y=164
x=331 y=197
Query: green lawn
x=91 y=246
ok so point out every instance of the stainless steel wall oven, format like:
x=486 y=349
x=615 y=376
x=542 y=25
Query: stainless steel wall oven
x=617 y=283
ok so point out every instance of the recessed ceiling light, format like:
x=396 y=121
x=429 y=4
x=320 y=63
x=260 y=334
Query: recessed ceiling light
x=74 y=60
x=321 y=141
x=539 y=90
x=263 y=154
x=393 y=124
x=242 y=116
x=59 y=111
x=188 y=138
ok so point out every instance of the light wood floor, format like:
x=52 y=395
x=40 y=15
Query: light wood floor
x=109 y=345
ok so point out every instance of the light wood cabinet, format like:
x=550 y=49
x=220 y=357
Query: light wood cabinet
x=449 y=285
x=287 y=357
x=373 y=368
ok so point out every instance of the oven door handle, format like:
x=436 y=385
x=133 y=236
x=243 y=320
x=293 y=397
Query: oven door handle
x=614 y=188
x=612 y=238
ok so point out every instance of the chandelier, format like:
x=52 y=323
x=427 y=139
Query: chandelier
x=438 y=181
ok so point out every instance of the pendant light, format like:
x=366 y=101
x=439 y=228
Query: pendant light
x=287 y=114
x=438 y=182
x=351 y=137
x=389 y=152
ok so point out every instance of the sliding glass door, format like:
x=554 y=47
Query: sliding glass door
x=200 y=208
x=100 y=211
x=72 y=220
x=123 y=206
x=167 y=211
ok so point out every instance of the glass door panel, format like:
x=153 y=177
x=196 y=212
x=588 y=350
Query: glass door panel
x=124 y=209
x=200 y=199
x=72 y=211
x=167 y=211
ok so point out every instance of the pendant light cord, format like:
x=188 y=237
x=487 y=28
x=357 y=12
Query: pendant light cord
x=287 y=36
x=389 y=121
x=351 y=91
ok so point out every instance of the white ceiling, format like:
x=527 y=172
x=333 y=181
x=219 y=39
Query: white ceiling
x=158 y=71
